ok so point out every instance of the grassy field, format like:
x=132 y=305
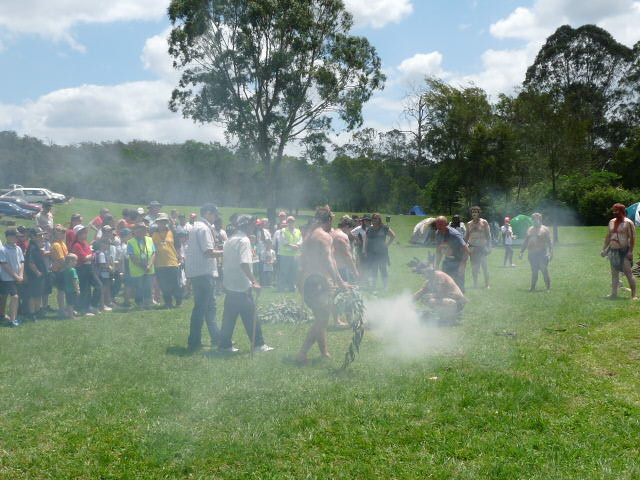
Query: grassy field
x=531 y=386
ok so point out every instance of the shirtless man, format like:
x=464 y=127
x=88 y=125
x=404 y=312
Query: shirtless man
x=441 y=294
x=478 y=237
x=342 y=250
x=319 y=277
x=540 y=247
x=342 y=254
x=618 y=245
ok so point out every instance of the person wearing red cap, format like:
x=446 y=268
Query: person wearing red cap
x=507 y=240
x=618 y=246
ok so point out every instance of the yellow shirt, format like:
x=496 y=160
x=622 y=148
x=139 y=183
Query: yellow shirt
x=58 y=253
x=165 y=250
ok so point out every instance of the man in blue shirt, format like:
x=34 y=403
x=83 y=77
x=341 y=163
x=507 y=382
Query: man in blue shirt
x=452 y=250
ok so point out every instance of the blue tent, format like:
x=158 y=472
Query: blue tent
x=417 y=210
x=633 y=212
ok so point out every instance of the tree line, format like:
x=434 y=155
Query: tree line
x=567 y=142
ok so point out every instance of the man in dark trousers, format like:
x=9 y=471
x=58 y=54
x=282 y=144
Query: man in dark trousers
x=452 y=251
x=200 y=265
x=238 y=282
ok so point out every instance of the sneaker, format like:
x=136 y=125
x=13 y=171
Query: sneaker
x=107 y=309
x=228 y=350
x=89 y=314
x=13 y=324
x=93 y=310
x=263 y=348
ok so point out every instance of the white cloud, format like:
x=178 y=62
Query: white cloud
x=502 y=70
x=539 y=21
x=420 y=65
x=505 y=69
x=54 y=19
x=135 y=110
x=127 y=111
x=378 y=13
x=625 y=26
x=155 y=56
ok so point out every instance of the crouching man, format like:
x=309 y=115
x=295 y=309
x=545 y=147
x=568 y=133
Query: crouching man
x=441 y=294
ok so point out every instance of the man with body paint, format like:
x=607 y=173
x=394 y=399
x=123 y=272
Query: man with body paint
x=318 y=281
x=618 y=246
x=440 y=293
x=451 y=250
x=540 y=247
x=478 y=238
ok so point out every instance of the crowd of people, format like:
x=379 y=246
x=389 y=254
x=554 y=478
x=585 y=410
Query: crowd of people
x=151 y=259
x=457 y=244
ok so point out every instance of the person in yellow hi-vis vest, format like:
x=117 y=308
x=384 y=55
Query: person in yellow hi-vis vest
x=141 y=253
x=289 y=252
x=166 y=262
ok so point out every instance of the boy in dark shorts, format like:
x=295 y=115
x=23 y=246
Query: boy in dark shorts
x=11 y=273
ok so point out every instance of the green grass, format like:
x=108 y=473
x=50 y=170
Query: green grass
x=116 y=396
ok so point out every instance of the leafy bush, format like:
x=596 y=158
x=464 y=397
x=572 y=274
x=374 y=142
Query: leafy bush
x=595 y=206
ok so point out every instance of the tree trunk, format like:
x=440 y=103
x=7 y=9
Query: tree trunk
x=554 y=205
x=270 y=183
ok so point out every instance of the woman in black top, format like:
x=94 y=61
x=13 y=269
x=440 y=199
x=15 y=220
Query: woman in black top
x=379 y=237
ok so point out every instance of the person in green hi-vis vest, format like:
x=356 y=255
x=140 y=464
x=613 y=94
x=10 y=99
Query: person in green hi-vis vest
x=141 y=251
x=289 y=251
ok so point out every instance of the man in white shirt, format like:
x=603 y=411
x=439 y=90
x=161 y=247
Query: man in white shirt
x=200 y=265
x=507 y=239
x=360 y=233
x=238 y=282
x=44 y=218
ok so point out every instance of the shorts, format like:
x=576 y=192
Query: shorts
x=48 y=283
x=479 y=249
x=346 y=274
x=129 y=281
x=58 y=280
x=317 y=293
x=8 y=288
x=617 y=257
x=538 y=259
x=35 y=287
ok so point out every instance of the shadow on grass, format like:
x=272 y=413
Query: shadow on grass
x=180 y=351
x=216 y=354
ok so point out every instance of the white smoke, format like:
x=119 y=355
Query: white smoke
x=400 y=326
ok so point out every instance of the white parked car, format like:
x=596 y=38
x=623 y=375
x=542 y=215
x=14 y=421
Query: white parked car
x=36 y=195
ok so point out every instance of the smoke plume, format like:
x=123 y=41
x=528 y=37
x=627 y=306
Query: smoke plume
x=399 y=324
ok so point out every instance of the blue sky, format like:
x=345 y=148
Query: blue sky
x=77 y=70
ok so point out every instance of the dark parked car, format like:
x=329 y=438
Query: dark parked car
x=21 y=203
x=12 y=210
